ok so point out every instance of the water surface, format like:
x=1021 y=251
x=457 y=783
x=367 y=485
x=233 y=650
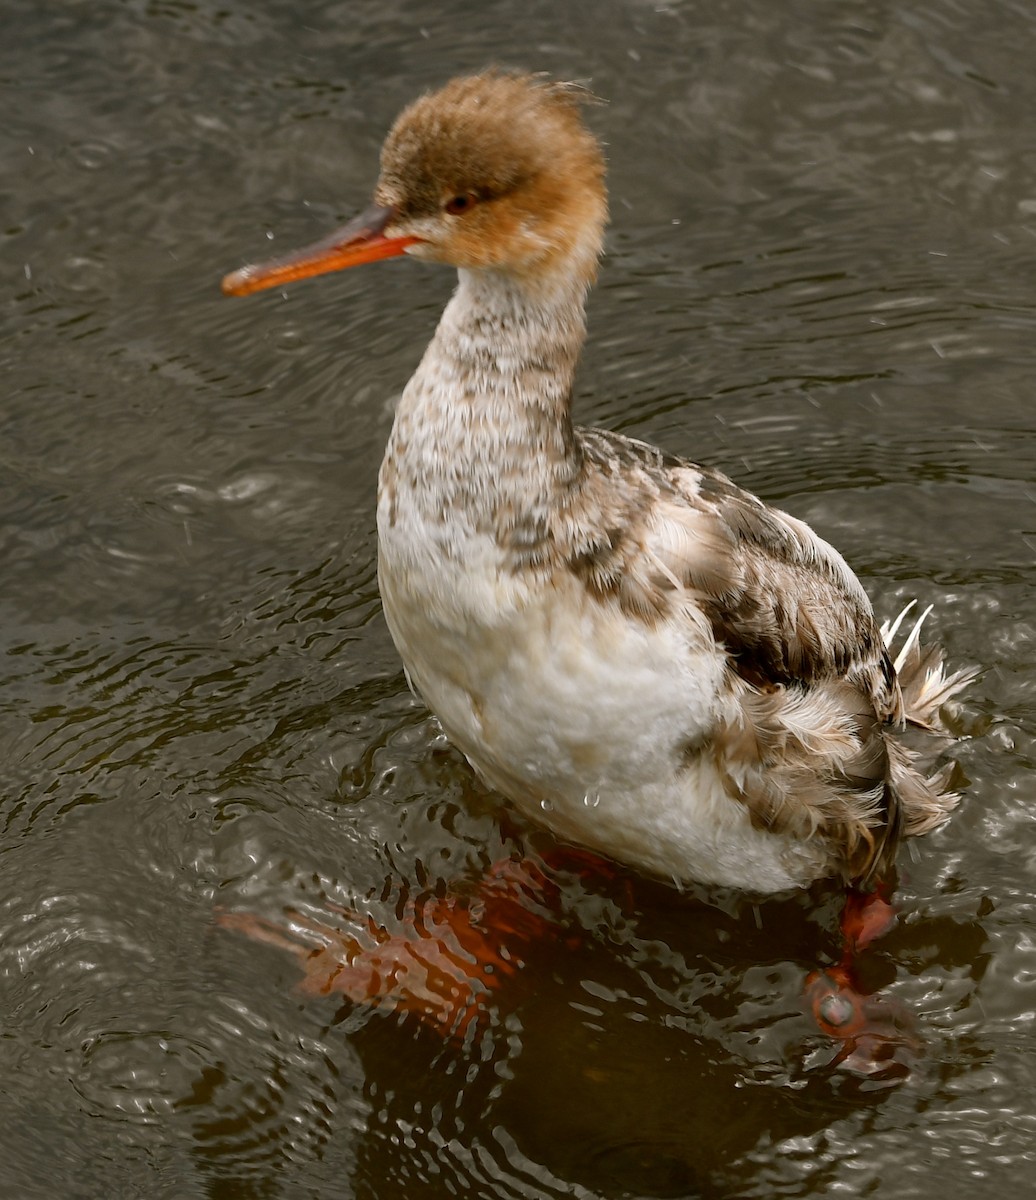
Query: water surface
x=820 y=279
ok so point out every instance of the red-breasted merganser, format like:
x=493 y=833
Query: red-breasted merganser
x=633 y=650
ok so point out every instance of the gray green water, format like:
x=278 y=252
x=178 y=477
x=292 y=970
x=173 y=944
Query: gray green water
x=820 y=278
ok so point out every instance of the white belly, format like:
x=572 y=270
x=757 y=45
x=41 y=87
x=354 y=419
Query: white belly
x=585 y=719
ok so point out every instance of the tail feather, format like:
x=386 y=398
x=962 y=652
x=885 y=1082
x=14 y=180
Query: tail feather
x=926 y=797
x=923 y=679
x=925 y=800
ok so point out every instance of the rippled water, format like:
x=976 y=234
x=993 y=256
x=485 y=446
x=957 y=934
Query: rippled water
x=820 y=279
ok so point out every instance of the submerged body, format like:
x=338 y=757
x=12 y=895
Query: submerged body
x=631 y=649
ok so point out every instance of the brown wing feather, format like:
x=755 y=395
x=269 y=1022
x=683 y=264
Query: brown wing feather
x=781 y=600
x=806 y=743
x=805 y=750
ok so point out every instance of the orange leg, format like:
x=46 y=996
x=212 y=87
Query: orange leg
x=446 y=956
x=872 y=1030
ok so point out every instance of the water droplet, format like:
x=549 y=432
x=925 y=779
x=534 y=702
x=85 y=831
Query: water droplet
x=91 y=155
x=591 y=799
x=546 y=805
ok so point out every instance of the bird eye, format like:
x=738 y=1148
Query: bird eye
x=461 y=204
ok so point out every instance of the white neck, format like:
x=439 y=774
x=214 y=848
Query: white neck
x=483 y=434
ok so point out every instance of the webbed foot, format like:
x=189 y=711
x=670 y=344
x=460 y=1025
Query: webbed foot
x=442 y=960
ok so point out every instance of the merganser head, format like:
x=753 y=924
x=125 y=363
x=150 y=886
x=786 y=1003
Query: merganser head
x=493 y=171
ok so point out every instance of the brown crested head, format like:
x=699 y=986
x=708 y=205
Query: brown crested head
x=496 y=170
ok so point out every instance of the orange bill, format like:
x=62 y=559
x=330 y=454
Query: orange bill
x=361 y=241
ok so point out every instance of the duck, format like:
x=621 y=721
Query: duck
x=629 y=648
